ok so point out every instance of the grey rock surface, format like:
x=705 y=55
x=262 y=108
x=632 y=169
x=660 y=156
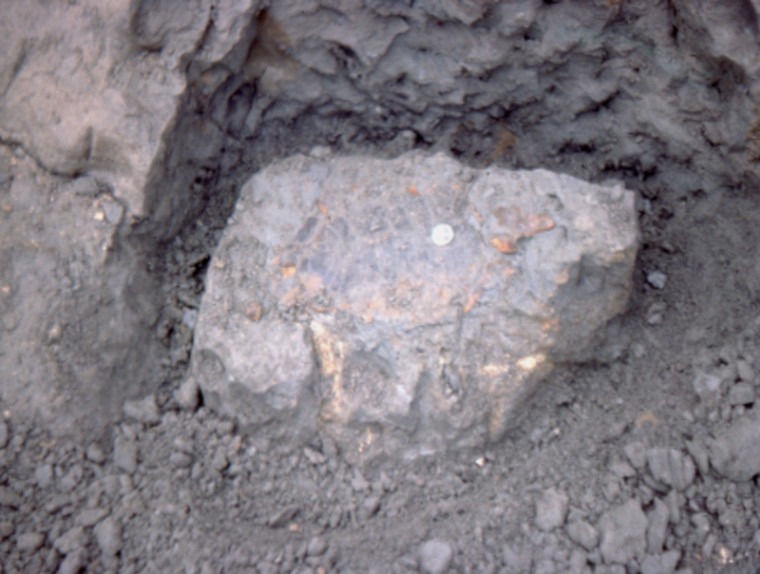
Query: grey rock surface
x=435 y=556
x=328 y=299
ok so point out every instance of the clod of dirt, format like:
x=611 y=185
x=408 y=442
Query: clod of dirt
x=624 y=531
x=735 y=453
x=329 y=303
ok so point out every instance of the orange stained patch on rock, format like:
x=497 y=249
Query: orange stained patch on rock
x=503 y=245
x=494 y=369
x=508 y=272
x=288 y=271
x=312 y=284
x=647 y=417
x=503 y=141
x=531 y=362
x=323 y=343
x=472 y=300
x=477 y=213
x=291 y=296
x=413 y=190
x=253 y=311
x=517 y=226
x=323 y=209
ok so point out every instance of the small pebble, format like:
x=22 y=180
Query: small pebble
x=6 y=529
x=314 y=457
x=702 y=525
x=658 y=526
x=90 y=516
x=71 y=479
x=706 y=385
x=44 y=475
x=656 y=313
x=317 y=546
x=72 y=564
x=657 y=279
x=699 y=453
x=622 y=469
x=671 y=467
x=189 y=394
x=661 y=563
x=145 y=410
x=359 y=483
x=108 y=534
x=9 y=498
x=220 y=461
x=72 y=540
x=623 y=533
x=551 y=510
x=281 y=517
x=745 y=371
x=95 y=454
x=741 y=394
x=30 y=542
x=581 y=532
x=113 y=211
x=435 y=556
x=180 y=460
x=369 y=507
x=125 y=455
x=636 y=454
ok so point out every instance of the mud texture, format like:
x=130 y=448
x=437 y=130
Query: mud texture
x=126 y=132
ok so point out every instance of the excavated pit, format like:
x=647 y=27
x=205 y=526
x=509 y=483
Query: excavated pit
x=601 y=92
x=125 y=139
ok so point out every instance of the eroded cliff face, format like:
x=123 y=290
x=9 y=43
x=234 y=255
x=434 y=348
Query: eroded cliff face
x=143 y=119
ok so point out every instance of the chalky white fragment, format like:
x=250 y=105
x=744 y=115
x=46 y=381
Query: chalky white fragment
x=442 y=234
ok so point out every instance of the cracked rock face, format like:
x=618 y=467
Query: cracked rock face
x=406 y=306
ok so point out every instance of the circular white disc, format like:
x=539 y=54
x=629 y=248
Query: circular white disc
x=442 y=234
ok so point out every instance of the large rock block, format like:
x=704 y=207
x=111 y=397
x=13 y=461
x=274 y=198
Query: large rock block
x=406 y=305
x=93 y=87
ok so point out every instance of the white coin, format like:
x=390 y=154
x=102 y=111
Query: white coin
x=442 y=234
